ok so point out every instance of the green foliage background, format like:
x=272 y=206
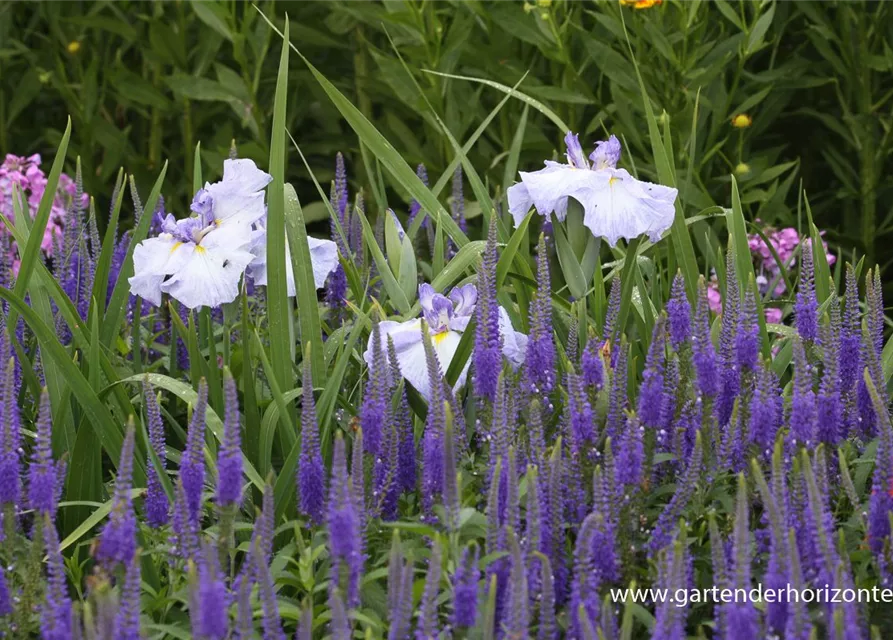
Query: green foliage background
x=146 y=81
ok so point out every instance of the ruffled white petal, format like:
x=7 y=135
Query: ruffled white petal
x=622 y=207
x=615 y=204
x=323 y=259
x=153 y=260
x=244 y=174
x=410 y=350
x=208 y=274
x=514 y=343
x=547 y=190
x=234 y=206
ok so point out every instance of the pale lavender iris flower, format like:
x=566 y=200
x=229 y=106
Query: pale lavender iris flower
x=615 y=204
x=323 y=260
x=199 y=260
x=447 y=317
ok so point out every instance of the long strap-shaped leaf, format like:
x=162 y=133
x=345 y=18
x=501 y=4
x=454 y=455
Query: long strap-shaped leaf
x=30 y=256
x=278 y=305
x=384 y=152
x=305 y=286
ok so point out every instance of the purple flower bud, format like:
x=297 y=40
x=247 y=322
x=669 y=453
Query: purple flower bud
x=192 y=462
x=55 y=615
x=487 y=356
x=429 y=625
x=730 y=376
x=374 y=410
x=311 y=474
x=704 y=355
x=465 y=589
x=806 y=305
x=272 y=624
x=344 y=526
x=432 y=440
x=127 y=619
x=608 y=334
x=580 y=417
x=679 y=313
x=747 y=340
x=630 y=454
x=399 y=592
x=517 y=617
x=540 y=361
x=117 y=543
x=44 y=475
x=209 y=617
x=156 y=504
x=584 y=591
x=651 y=391
x=229 y=457
x=617 y=401
x=5 y=600
x=672 y=571
x=10 y=434
x=592 y=366
x=804 y=414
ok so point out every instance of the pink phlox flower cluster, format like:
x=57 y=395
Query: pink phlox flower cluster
x=26 y=173
x=785 y=242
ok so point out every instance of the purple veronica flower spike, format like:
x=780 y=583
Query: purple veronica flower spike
x=311 y=473
x=44 y=475
x=192 y=463
x=679 y=313
x=615 y=204
x=55 y=615
x=540 y=369
x=117 y=543
x=447 y=317
x=156 y=502
x=229 y=457
x=487 y=355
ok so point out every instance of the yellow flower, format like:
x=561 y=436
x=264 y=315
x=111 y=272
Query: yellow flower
x=73 y=47
x=742 y=121
x=641 y=4
x=742 y=169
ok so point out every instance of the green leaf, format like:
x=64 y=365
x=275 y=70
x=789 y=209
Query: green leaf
x=32 y=250
x=536 y=104
x=755 y=39
x=278 y=307
x=570 y=267
x=391 y=286
x=214 y=15
x=305 y=286
x=819 y=258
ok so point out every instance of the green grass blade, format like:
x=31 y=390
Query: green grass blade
x=305 y=287
x=523 y=97
x=391 y=286
x=31 y=254
x=278 y=306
